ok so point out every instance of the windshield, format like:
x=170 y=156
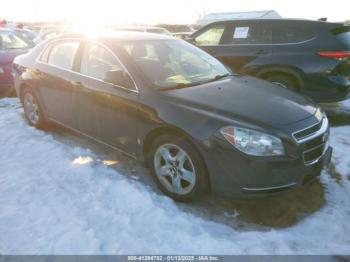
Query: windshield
x=172 y=63
x=8 y=40
x=26 y=34
x=158 y=31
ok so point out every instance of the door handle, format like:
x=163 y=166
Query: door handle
x=38 y=72
x=261 y=52
x=76 y=83
x=211 y=52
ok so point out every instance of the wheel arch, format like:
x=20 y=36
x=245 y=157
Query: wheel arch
x=291 y=72
x=172 y=130
x=21 y=89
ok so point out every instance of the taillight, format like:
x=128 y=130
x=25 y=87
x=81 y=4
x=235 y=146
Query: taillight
x=335 y=54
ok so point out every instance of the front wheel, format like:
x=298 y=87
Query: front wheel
x=32 y=109
x=178 y=168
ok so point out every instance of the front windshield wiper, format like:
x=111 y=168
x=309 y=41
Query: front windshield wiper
x=184 y=85
x=181 y=85
x=218 y=77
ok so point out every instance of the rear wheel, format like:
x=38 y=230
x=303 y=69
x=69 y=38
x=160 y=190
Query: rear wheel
x=284 y=81
x=178 y=169
x=32 y=109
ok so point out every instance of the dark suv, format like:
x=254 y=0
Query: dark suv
x=311 y=57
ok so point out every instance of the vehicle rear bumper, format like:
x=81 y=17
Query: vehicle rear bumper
x=6 y=88
x=328 y=89
x=6 y=83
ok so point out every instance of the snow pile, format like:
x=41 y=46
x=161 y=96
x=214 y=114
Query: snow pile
x=55 y=199
x=340 y=109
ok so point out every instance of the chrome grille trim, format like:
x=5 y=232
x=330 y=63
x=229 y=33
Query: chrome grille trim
x=319 y=132
x=314 y=135
x=314 y=161
x=268 y=188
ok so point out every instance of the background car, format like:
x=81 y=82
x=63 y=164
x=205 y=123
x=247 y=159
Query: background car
x=11 y=45
x=146 y=29
x=182 y=35
x=46 y=34
x=179 y=109
x=26 y=34
x=310 y=57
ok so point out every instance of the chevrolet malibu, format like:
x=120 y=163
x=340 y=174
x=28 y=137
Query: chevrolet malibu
x=200 y=127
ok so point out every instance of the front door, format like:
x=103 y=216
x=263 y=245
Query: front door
x=102 y=110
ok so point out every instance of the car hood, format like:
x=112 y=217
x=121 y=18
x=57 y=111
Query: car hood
x=248 y=99
x=7 y=56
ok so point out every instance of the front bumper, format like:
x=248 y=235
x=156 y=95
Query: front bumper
x=233 y=174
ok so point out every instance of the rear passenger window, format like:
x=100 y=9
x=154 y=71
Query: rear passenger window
x=63 y=54
x=249 y=34
x=292 y=33
x=210 y=37
x=44 y=57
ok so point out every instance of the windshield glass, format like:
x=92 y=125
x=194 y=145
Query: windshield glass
x=158 y=31
x=9 y=40
x=26 y=34
x=172 y=63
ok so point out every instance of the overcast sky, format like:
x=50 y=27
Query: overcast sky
x=163 y=11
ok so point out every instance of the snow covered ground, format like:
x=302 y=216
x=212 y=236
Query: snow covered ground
x=59 y=198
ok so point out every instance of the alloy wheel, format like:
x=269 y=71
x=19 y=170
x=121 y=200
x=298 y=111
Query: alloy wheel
x=174 y=169
x=31 y=108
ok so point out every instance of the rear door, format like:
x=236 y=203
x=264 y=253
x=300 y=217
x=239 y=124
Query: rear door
x=236 y=44
x=55 y=71
x=244 y=42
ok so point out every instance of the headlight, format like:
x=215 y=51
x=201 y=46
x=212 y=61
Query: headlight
x=253 y=142
x=1 y=70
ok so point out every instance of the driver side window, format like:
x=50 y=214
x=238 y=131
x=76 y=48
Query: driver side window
x=97 y=61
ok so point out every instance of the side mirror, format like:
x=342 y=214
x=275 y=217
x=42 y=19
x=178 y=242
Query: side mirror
x=119 y=78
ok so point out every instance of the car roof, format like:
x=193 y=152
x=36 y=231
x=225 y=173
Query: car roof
x=138 y=27
x=272 y=20
x=6 y=30
x=119 y=35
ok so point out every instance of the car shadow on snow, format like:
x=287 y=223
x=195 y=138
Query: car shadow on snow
x=278 y=211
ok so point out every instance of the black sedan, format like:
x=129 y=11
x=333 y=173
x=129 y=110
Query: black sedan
x=159 y=99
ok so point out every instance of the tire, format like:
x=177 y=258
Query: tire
x=178 y=169
x=285 y=81
x=32 y=109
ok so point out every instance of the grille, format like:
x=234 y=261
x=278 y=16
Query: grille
x=308 y=131
x=311 y=155
x=314 y=141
